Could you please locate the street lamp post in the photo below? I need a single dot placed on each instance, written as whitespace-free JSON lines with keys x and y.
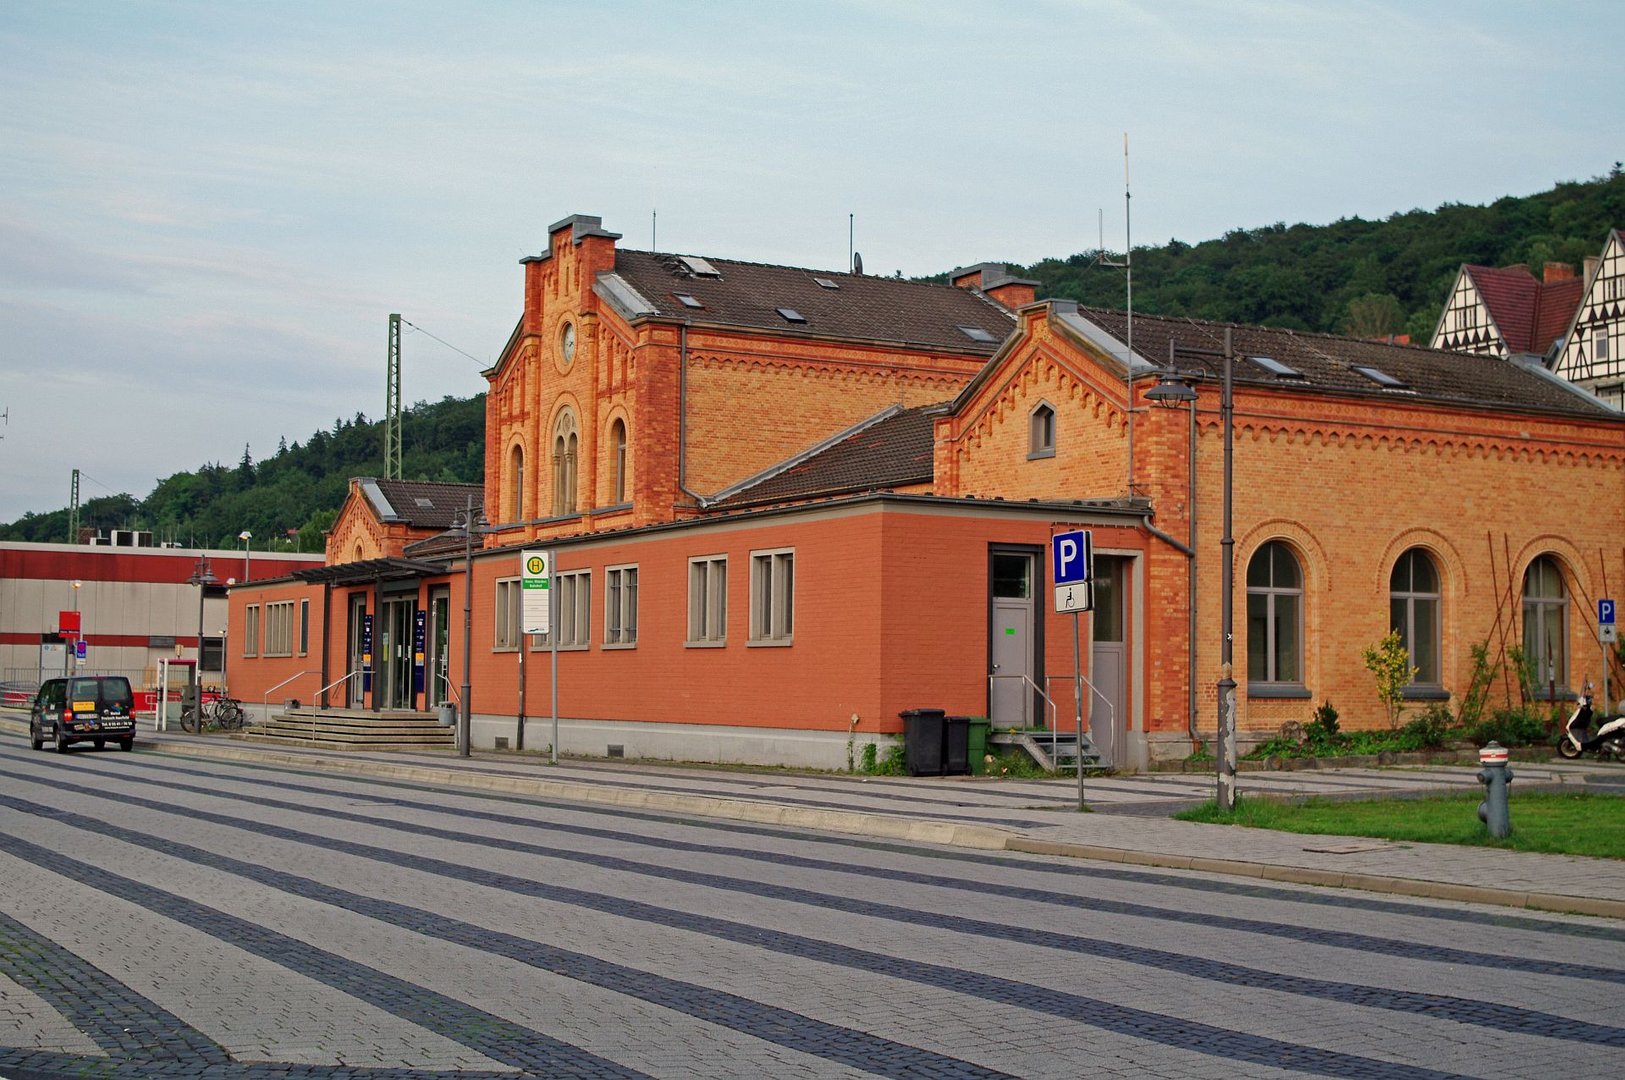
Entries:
{"x":202,"y":577}
{"x":73,"y":649}
{"x":465,"y":726}
{"x":1172,"y":390}
{"x":245,"y":536}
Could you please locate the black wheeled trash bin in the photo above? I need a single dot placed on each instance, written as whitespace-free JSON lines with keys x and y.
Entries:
{"x":924,"y":742}
{"x":956,"y":746}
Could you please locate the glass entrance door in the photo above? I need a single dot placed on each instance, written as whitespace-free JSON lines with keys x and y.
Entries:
{"x":395,"y":653}
{"x":355,"y":695}
{"x":436,"y":686}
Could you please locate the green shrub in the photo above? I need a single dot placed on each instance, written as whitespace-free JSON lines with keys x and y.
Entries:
{"x":1522,"y":726}
{"x":892,"y":764}
{"x":1321,"y":735}
{"x":1429,"y":729}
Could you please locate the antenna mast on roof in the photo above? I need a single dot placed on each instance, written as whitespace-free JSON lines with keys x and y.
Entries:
{"x":654,"y":222}
{"x":1127,"y":266}
{"x":850,"y":227}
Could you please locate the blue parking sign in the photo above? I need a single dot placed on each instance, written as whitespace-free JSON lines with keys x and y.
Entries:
{"x":1072,"y":565}
{"x":1605,"y":612}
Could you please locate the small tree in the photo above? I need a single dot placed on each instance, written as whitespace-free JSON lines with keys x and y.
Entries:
{"x":1390,"y":662}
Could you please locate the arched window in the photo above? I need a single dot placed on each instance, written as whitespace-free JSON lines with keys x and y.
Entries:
{"x":1546,"y":622}
{"x":1274,"y":616}
{"x":1041,"y":432}
{"x":617,"y":448}
{"x":516,"y":484}
{"x":564,"y":464}
{"x":1413,"y":610}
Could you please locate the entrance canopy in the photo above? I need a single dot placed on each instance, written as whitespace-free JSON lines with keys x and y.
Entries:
{"x":369,"y":571}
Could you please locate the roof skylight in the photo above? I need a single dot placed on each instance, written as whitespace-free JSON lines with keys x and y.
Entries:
{"x":1276,"y":368}
{"x":792,"y":315}
{"x":825,"y":283}
{"x":698,"y":266}
{"x":688,"y":300}
{"x":976,"y":333}
{"x":1382,"y":378}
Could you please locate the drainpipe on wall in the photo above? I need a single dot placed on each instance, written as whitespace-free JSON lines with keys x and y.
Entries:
{"x":1189,"y":551}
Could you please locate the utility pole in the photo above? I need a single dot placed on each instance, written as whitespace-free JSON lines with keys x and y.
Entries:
{"x":73,"y":510}
{"x":392,"y":404}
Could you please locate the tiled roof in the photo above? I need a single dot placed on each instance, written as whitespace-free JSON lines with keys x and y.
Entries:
{"x":859,"y":306}
{"x":1529,"y":314}
{"x":1329,"y":363}
{"x":420,"y":504}
{"x":892,"y":452}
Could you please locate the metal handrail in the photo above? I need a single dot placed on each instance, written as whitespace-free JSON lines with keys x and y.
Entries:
{"x":1040,"y":692}
{"x":265,"y":702}
{"x":1111,"y":709}
{"x":342,"y":678}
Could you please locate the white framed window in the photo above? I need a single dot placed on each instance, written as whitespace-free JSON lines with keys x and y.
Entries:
{"x":708,"y":600}
{"x":573,"y":611}
{"x":1041,"y":431}
{"x":279,"y":628}
{"x":772,"y":597}
{"x":251,"y":630}
{"x":620,"y":605}
{"x":1599,"y":344}
{"x":505,"y":636}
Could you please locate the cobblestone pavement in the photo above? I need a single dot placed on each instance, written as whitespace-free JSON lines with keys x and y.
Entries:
{"x":190,"y":917}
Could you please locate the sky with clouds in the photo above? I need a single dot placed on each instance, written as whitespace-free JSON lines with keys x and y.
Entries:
{"x":208,"y":210}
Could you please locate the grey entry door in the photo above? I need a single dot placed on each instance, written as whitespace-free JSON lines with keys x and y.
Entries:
{"x":1109,"y":659}
{"x":1012,"y":649}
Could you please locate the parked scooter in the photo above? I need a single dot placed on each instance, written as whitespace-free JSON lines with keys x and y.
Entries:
{"x":1609,"y":740}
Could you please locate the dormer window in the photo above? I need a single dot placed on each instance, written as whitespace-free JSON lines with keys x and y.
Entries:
{"x":1041,"y":432}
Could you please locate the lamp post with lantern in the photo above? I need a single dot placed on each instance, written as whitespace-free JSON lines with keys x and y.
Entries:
{"x":1172,"y":390}
{"x":245,"y":536}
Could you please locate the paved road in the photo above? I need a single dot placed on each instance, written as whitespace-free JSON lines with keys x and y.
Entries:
{"x":166,"y":917}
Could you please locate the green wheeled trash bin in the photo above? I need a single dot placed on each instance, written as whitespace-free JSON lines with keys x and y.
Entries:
{"x":924,"y":741}
{"x":976,"y":742}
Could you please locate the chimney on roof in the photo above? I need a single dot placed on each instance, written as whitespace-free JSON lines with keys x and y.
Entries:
{"x":1556,"y":271}
{"x":995,"y":281}
{"x":1591,"y":264}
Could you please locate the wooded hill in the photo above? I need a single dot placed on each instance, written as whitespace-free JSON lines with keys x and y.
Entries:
{"x":288,"y":499}
{"x":1366,"y":278}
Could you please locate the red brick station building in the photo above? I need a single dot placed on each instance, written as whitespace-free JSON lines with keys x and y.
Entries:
{"x":784,"y":505}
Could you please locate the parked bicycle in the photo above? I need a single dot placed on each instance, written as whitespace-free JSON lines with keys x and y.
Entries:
{"x":221,"y":714}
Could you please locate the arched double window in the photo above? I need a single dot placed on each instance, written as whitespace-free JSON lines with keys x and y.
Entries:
{"x":1413,"y":610}
{"x":617,"y":449}
{"x":564,"y":464}
{"x":1274,"y":616}
{"x":516,"y":484}
{"x":1546,"y":622}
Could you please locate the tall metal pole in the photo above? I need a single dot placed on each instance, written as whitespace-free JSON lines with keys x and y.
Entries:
{"x":465,"y":724}
{"x":1077,"y":693}
{"x":553,"y":637}
{"x":1227,"y":684}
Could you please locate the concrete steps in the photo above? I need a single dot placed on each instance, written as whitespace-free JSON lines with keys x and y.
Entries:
{"x":353,"y":729}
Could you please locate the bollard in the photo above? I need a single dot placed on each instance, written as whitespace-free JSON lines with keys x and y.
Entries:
{"x":1495,"y":776}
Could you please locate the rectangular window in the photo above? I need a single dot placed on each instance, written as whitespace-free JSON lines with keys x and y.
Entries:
{"x":1599,"y":347}
{"x":279,"y":628}
{"x":251,"y":630}
{"x":506,"y":635}
{"x":621,"y":605}
{"x":708,"y":600}
{"x":772,"y":597}
{"x":304,"y":627}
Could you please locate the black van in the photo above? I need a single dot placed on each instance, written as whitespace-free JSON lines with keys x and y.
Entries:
{"x":93,"y":707}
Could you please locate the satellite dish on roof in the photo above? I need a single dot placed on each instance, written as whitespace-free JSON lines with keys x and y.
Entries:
{"x":857,"y":263}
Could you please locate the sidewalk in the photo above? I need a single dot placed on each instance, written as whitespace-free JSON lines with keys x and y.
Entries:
{"x":1130,"y":823}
